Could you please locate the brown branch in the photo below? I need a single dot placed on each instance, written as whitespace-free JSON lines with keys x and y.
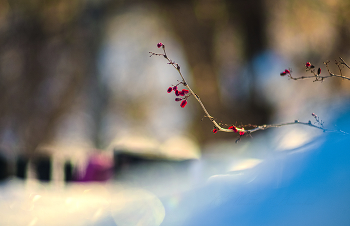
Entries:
{"x":263,"y":127}
{"x":343,"y":62}
{"x":242,"y":131}
{"x":177,"y":67}
{"x":316,"y":75}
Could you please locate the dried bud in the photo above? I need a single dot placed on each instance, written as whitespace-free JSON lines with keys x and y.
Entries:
{"x":314,"y":115}
{"x":308,"y":64}
{"x":318,"y":71}
{"x":183,"y":103}
{"x":215,"y":130}
{"x":312,"y":66}
{"x":159,"y":44}
{"x":178,"y":99}
{"x":170,"y":89}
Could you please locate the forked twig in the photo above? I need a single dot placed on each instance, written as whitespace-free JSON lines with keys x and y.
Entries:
{"x":242,"y":131}
{"x":317,"y":74}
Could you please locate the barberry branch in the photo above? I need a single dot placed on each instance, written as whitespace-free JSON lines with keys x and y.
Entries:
{"x":177,"y":67}
{"x":317,"y":74}
{"x":241,"y":131}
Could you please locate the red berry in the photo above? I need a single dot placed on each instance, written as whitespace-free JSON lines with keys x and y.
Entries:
{"x":319,"y":71}
{"x":169,"y":90}
{"x":233,"y":128}
{"x":283,"y":73}
{"x":287,"y":71}
{"x":215,"y":130}
{"x":241,"y":133}
{"x":183,"y":103}
{"x":308,"y":64}
{"x":159,"y":45}
{"x":184,"y":91}
{"x":175,"y":88}
{"x":177,"y":93}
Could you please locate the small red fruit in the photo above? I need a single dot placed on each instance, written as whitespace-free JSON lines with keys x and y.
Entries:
{"x":283,"y":73}
{"x":183,"y":103}
{"x":177,"y":93}
{"x":287,"y":71}
{"x":159,"y":44}
{"x":215,"y":130}
{"x":184,"y":91}
{"x":170,"y":89}
{"x":319,"y":71}
{"x":241,"y":133}
{"x":308,"y":64}
{"x":233,"y":128}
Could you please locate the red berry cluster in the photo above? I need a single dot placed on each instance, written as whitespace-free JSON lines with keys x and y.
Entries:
{"x":183,"y":93}
{"x":283,"y":73}
{"x":234,"y":128}
{"x":311,"y":67}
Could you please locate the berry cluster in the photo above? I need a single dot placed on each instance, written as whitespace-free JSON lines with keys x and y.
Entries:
{"x":234,"y":128}
{"x":287,"y":71}
{"x":311,"y":68}
{"x":178,"y":93}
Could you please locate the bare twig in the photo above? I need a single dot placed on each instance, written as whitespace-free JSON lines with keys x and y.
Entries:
{"x":263,"y":127}
{"x":343,"y":62}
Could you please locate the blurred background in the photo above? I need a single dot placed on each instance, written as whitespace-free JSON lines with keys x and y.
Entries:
{"x":82,"y":101}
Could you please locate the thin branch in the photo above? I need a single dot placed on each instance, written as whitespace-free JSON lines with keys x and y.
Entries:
{"x":319,"y":78}
{"x":343,"y":62}
{"x":177,"y":67}
{"x":316,"y":75}
{"x":256,"y":128}
{"x":263,"y":127}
